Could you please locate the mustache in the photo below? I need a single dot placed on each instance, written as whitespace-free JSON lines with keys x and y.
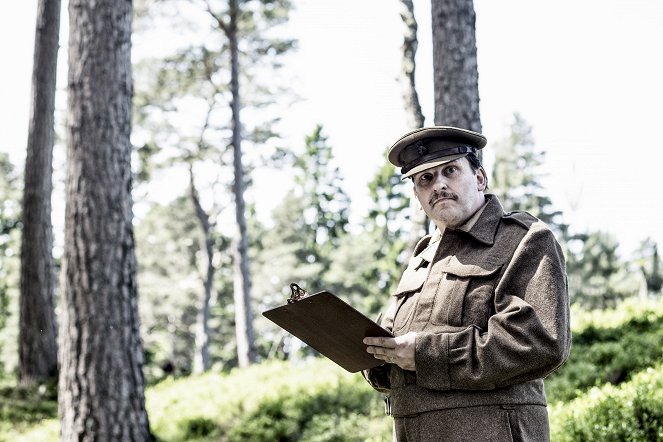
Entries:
{"x":440,"y":195}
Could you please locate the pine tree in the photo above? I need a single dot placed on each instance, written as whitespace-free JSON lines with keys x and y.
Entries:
{"x":38,"y":359}
{"x":309,"y":227}
{"x":598,"y":277}
{"x":212,"y":81}
{"x":101,"y":385}
{"x":319,"y":184}
{"x":389,"y":220}
{"x":649,"y":263}
{"x":414,"y":115}
{"x":169,"y":273}
{"x":517,"y":173}
{"x":456,"y":77}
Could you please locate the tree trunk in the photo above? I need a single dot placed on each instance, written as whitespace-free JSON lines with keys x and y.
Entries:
{"x":201,"y":360}
{"x":242,"y":282}
{"x":415,"y":118}
{"x":456,"y":79}
{"x":413,"y":111}
{"x":101,"y":388}
{"x":37,"y":330}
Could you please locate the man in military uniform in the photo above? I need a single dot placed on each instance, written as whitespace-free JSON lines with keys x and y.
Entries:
{"x":481,"y":314}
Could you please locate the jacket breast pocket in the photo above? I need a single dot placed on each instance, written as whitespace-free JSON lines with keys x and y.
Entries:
{"x":464,"y":295}
{"x":410,"y":284}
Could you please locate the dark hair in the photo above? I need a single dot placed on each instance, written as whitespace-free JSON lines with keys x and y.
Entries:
{"x":475,"y":164}
{"x":474,"y":161}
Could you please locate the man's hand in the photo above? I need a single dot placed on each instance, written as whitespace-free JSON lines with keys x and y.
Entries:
{"x":399,"y":350}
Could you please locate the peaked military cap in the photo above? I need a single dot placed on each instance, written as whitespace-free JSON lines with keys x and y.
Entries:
{"x":432,"y":146}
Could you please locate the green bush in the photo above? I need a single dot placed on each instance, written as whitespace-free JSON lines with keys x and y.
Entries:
{"x":608,"y":321}
{"x":611,"y":347}
{"x":274,"y":401}
{"x":316,"y":401}
{"x":632,"y":412}
{"x":312,"y":400}
{"x":199,"y":427}
{"x":320,"y":413}
{"x":24,"y":406}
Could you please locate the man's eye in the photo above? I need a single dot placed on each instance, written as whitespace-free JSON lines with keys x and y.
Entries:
{"x":424,"y":179}
{"x":451,"y":169}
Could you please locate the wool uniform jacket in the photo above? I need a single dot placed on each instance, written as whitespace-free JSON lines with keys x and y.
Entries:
{"x":490,"y":306}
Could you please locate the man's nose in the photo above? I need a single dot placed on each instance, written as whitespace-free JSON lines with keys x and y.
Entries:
{"x":439,"y":182}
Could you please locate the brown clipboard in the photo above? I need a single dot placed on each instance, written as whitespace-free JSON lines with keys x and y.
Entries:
{"x":330,"y":326}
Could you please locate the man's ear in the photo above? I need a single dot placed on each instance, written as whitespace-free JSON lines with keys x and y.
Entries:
{"x":482,"y":179}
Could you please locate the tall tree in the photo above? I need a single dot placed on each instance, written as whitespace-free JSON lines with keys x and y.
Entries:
{"x":101,"y":388}
{"x":649,"y":263}
{"x":516,"y":176}
{"x":191,"y":150}
{"x":202,"y":361}
{"x":456,"y":77}
{"x":309,"y":223}
{"x":325,"y":202}
{"x":37,"y":330}
{"x":309,"y":226}
{"x":598,"y":277}
{"x":171,"y":266}
{"x":283,"y":256}
{"x":242,"y":283}
{"x":366,"y":265}
{"x":222,"y":70}
{"x":414,"y":115}
{"x":387,"y":219}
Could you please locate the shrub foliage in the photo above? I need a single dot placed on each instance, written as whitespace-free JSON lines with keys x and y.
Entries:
{"x":609,"y":347}
{"x":610,"y":389}
{"x":631,"y":412}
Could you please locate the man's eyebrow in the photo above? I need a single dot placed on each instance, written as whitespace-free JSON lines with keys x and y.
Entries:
{"x":441,"y":166}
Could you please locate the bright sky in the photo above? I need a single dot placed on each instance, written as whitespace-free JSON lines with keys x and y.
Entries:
{"x":586,"y":74}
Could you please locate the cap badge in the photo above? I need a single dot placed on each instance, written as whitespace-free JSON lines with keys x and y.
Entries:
{"x":421,"y":149}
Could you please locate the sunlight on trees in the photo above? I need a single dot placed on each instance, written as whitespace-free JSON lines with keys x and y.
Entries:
{"x":184,"y":280}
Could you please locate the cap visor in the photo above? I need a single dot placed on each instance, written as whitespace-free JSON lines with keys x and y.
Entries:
{"x":432,"y":164}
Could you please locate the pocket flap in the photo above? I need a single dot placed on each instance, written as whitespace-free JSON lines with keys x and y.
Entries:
{"x":456,"y":268}
{"x":412,"y":280}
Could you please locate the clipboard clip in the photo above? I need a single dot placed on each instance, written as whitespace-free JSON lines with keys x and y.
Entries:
{"x":296,"y":293}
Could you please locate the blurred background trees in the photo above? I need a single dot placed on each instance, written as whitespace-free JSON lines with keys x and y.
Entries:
{"x":186,"y":266}
{"x":517,"y":174}
{"x":311,"y":241}
{"x":10,"y":246}
{"x":196,"y":301}
{"x":204,"y":80}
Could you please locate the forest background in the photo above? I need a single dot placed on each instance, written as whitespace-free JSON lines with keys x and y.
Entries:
{"x":562,"y":107}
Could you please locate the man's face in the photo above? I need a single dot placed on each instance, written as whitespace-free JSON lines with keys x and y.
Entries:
{"x":450,"y":193}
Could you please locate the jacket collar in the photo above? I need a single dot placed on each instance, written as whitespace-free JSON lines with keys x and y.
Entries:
{"x":485,"y":228}
{"x":482,"y":230}
{"x":429,"y":252}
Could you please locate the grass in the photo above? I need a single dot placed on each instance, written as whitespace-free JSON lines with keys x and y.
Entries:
{"x":27,"y":409}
